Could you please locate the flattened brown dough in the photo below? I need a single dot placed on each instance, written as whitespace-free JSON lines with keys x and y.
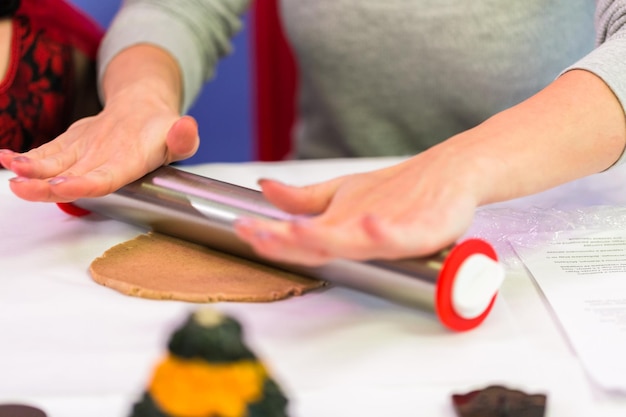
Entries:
{"x":156,"y":266}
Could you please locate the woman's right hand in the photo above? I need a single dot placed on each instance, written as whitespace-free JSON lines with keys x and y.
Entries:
{"x":138,"y":130}
{"x":99,"y":154}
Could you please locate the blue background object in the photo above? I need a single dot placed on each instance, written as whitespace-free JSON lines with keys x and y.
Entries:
{"x":224,"y":109}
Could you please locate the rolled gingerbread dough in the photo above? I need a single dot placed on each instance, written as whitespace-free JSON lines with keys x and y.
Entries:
{"x":157,"y":266}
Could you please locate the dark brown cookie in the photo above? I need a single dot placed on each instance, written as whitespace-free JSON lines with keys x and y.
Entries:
{"x":499,"y":401}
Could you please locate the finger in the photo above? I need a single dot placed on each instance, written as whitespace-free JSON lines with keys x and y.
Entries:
{"x":182,"y":139}
{"x":96,"y":183}
{"x":367,"y":238}
{"x":310,"y":199}
{"x":46,"y":161}
{"x":304,"y":242}
{"x":48,"y":167}
{"x":349,"y":240}
{"x":6,"y":157}
{"x":311,"y":242}
{"x":272,"y":243}
{"x":31,"y":189}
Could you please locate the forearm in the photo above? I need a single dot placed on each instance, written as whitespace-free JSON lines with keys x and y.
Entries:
{"x":143,"y":72}
{"x":196,"y":33}
{"x":573,"y":128}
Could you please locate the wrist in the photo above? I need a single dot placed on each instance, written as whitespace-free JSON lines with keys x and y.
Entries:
{"x":144,"y":96}
{"x":143,"y":73}
{"x":472,"y":167}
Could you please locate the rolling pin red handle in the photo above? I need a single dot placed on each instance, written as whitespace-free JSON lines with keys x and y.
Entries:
{"x":73,"y":209}
{"x":455,"y":276}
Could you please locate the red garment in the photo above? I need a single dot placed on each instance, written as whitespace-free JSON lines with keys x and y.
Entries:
{"x":276,"y":79}
{"x":36,"y":94}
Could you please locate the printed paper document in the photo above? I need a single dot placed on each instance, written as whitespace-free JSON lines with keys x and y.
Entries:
{"x":583,"y":276}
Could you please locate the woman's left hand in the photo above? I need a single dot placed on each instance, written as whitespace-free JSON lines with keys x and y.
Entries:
{"x":414,"y":208}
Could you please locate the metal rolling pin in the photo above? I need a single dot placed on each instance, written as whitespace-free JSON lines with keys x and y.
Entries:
{"x":458,"y":284}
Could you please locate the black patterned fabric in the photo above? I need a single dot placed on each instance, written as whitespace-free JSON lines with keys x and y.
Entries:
{"x":8,"y":7}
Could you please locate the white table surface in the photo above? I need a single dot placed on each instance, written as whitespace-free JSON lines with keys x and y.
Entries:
{"x":76,"y":349}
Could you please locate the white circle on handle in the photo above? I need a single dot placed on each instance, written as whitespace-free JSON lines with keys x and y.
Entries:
{"x":476,"y":282}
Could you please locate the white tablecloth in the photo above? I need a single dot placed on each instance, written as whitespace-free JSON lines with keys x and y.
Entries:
{"x":76,"y":349}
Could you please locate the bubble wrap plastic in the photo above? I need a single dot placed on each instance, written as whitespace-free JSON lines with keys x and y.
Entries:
{"x":597,"y":202}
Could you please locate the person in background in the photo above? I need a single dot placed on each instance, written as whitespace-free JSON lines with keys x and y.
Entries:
{"x":47,"y":66}
{"x":489,"y":100}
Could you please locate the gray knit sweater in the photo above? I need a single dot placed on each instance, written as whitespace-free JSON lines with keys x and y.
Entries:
{"x":394,"y":77}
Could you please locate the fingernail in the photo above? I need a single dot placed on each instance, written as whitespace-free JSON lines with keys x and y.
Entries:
{"x":21,"y":159}
{"x":6,"y":151}
{"x":18,"y":180}
{"x":57,"y":180}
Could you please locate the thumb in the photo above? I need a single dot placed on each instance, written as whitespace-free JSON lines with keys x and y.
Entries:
{"x":182,"y":139}
{"x":310,"y":199}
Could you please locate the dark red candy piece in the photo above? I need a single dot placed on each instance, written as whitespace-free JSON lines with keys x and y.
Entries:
{"x":499,"y":401}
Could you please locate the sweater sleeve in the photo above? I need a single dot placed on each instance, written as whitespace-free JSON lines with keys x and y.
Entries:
{"x":197,"y":33}
{"x":608,"y":59}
